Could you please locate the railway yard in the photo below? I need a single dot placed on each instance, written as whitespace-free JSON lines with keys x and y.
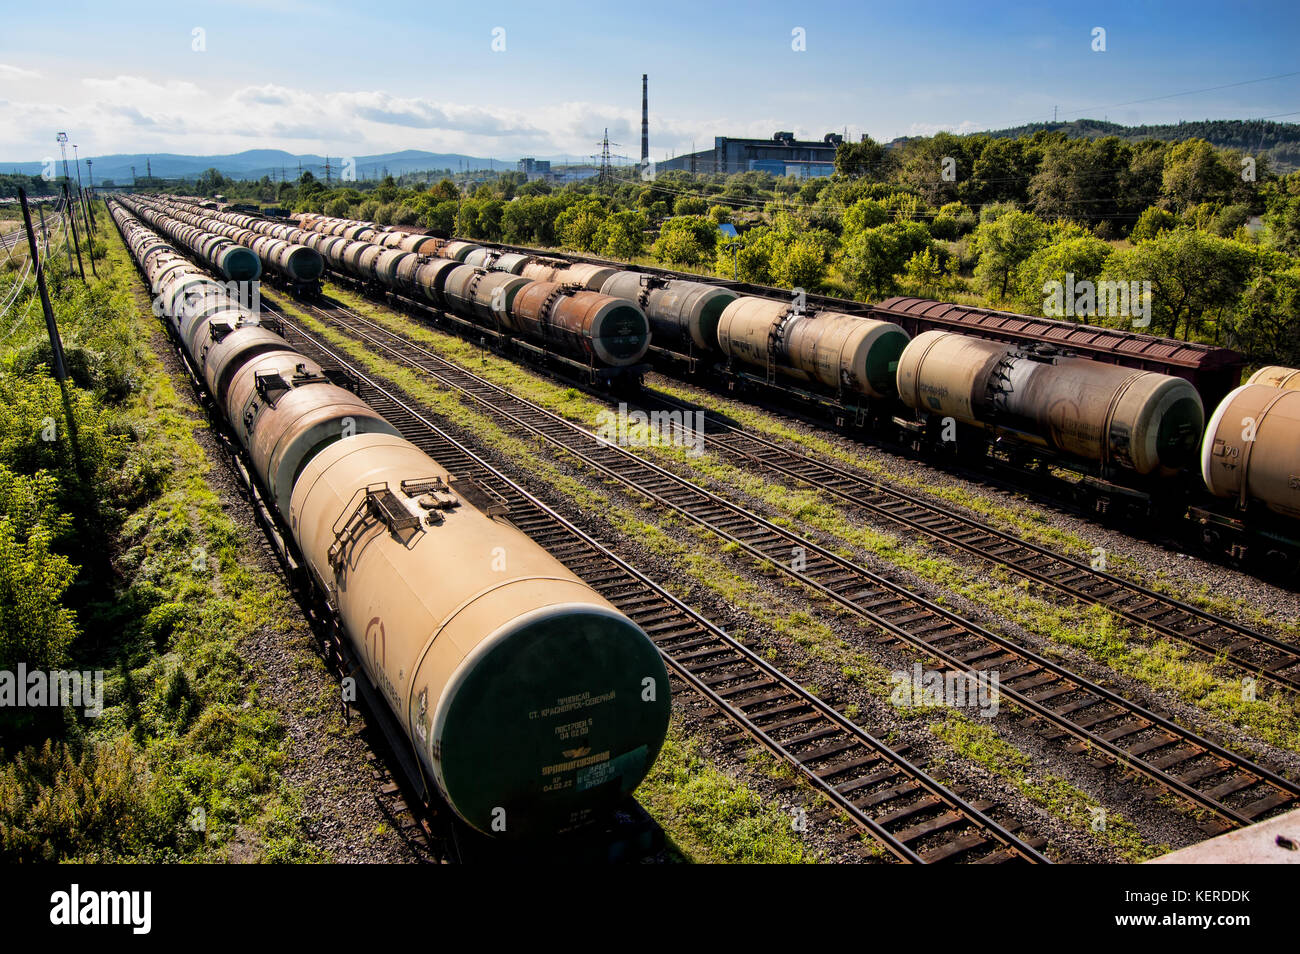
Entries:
{"x":877,"y":649}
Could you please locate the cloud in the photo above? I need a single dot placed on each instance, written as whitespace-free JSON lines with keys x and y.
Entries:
{"x":929,"y":129}
{"x":14,"y":73}
{"x":132,"y":113}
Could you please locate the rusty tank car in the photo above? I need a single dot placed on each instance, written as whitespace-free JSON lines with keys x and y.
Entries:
{"x":1109,"y":415}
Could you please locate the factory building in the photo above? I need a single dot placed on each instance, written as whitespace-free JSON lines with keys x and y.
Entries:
{"x":535,"y":168}
{"x":782,"y":155}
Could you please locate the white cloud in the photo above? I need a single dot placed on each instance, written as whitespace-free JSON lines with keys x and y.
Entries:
{"x":132,"y":114}
{"x":929,"y":129}
{"x":14,"y":73}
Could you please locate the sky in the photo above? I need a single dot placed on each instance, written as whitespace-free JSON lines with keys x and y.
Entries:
{"x":546,"y":78}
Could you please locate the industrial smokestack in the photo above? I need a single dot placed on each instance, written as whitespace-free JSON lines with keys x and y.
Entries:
{"x":645,"y":119}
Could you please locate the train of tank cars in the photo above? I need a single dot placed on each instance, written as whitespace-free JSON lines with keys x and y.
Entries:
{"x":1125,"y":410}
{"x":522,"y":691}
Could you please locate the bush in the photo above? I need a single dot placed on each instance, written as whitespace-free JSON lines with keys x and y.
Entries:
{"x":35,"y":627}
{"x":1151,"y":223}
{"x":99,"y":806}
{"x":690,"y":205}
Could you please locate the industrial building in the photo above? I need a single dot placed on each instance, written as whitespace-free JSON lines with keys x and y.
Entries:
{"x":535,"y":168}
{"x":782,"y":155}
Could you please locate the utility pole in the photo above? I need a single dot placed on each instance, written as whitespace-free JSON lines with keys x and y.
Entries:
{"x":72,"y":218}
{"x":52,"y":329}
{"x":133,"y":177}
{"x":90,"y":248}
{"x":85,"y":207}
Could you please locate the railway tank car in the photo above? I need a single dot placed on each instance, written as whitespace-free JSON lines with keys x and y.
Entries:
{"x":529,"y":700}
{"x":682,"y":315}
{"x":840,"y":352}
{"x":230,"y":259}
{"x":606,"y":330}
{"x":1276,"y":376}
{"x":1116,"y":417}
{"x":1251,"y":450}
{"x":281,"y":250}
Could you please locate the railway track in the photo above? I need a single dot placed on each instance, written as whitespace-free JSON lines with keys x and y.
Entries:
{"x":1232,"y":788}
{"x":910,"y":815}
{"x":1259,"y":654}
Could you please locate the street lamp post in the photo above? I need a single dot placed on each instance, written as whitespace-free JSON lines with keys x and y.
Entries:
{"x":62,"y":139}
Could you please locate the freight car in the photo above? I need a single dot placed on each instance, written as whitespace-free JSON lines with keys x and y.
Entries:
{"x":228,"y":258}
{"x":530,"y":701}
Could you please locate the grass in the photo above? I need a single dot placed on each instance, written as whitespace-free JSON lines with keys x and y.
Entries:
{"x":710,"y":816}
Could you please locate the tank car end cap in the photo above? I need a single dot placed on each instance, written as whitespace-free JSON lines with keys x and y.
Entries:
{"x":550,"y":720}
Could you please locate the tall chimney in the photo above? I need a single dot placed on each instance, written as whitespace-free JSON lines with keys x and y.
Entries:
{"x":645,"y":119}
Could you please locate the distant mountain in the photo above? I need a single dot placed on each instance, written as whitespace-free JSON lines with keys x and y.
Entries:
{"x":1281,"y":141}
{"x":256,"y":163}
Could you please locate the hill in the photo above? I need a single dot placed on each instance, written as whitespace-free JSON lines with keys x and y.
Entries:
{"x":1280,"y":141}
{"x":255,"y":163}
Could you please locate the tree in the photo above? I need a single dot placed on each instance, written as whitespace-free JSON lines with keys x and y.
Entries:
{"x":441,"y":218}
{"x":1002,"y":244}
{"x":1194,"y":172}
{"x":1151,"y":223}
{"x":864,"y":214}
{"x":622,"y":235}
{"x":444,"y":191}
{"x":1002,"y":171}
{"x":864,"y":159}
{"x":577,"y":225}
{"x":1283,"y":221}
{"x":1069,"y":261}
{"x":1081,"y":180}
{"x":35,"y":627}
{"x":1192,"y":276}
{"x":802,"y":265}
{"x":686,"y":240}
{"x":1266,"y":325}
{"x":690,"y":205}
{"x":870,"y":259}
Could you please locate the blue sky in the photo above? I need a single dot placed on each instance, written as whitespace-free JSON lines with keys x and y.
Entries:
{"x":360,"y":78}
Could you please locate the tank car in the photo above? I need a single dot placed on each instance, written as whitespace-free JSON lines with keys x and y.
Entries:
{"x":529,"y":699}
{"x":486,"y":295}
{"x":682,"y":315}
{"x":1251,"y":450}
{"x":841,"y":352}
{"x":584,"y":324}
{"x":1277,"y":377}
{"x":1112,"y":416}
